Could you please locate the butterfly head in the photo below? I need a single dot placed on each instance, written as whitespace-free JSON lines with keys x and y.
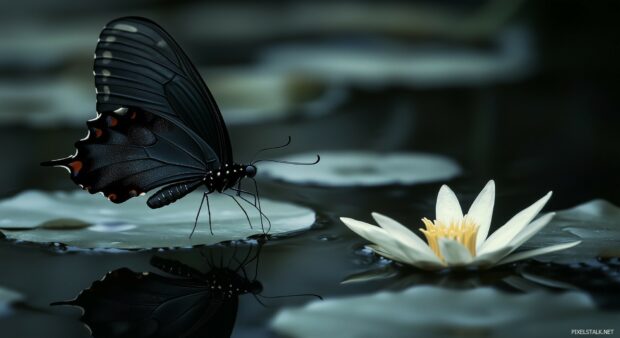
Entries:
{"x":250,"y":170}
{"x":255,"y":287}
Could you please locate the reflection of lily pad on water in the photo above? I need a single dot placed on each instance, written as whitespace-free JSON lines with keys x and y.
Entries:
{"x":435,"y":312}
{"x":82,"y":220}
{"x":359,"y":168}
{"x":7,"y":297}
{"x":596,"y":223}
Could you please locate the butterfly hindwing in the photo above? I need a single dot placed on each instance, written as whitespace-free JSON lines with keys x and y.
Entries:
{"x":138,"y":64}
{"x":130,"y":152}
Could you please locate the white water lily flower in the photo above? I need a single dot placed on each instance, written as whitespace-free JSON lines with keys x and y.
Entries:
{"x":456,"y":240}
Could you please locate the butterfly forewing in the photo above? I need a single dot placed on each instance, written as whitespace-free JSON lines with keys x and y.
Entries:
{"x":157,"y":122}
{"x":137,"y":63}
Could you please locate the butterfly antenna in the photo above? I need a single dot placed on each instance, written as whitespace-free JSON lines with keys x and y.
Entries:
{"x":294,"y":295}
{"x":270,"y":148}
{"x":255,"y":297}
{"x":318,"y":159}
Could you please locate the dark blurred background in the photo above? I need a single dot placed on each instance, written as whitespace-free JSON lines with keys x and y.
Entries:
{"x":507,"y":88}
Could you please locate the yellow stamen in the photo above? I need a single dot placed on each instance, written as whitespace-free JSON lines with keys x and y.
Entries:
{"x":463,"y":231}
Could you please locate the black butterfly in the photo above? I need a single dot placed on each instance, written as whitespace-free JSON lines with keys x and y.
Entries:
{"x":194,"y":304}
{"x":157,"y":124}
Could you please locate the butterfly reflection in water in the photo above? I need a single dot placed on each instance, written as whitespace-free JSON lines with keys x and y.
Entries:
{"x":192,"y":304}
{"x":157,"y":125}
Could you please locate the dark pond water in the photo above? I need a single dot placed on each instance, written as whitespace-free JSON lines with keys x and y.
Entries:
{"x":314,"y":261}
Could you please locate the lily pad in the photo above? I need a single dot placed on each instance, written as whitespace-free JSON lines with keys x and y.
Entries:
{"x":81,"y":220}
{"x":428,"y":311}
{"x":379,"y":63}
{"x":596,"y":223}
{"x":360,"y":168}
{"x":7,"y":297}
{"x":258,"y":94}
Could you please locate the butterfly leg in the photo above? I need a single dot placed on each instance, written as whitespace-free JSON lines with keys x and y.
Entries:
{"x":242,"y":209}
{"x":240,"y":191}
{"x":209,"y":210}
{"x":198,"y":214}
{"x":244,"y":261}
{"x":260,"y":210}
{"x":256,"y":204}
{"x":234,"y":254}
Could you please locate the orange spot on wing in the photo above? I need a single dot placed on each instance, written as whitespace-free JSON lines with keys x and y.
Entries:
{"x":76,"y":166}
{"x":133,"y":115}
{"x":113,"y":121}
{"x":112,"y":197}
{"x":98,"y":132}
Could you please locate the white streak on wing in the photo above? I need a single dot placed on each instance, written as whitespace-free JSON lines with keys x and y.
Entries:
{"x":125,"y":27}
{"x":121,"y":111}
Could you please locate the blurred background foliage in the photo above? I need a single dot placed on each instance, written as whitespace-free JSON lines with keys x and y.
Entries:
{"x":509,"y":88}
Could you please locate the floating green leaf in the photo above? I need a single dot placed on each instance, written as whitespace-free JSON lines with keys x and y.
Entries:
{"x":81,"y":220}
{"x":358,"y":168}
{"x":429,"y":312}
{"x":6,"y":298}
{"x":596,"y":223}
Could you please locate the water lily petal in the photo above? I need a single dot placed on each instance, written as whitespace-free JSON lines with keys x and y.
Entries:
{"x":490,"y":258}
{"x":419,"y":259}
{"x":402,"y":233}
{"x":370,"y":232}
{"x":537,"y":252}
{"x":514,"y":226}
{"x":378,"y":236}
{"x":448,"y":208}
{"x":481,"y":211}
{"x":396,"y":256}
{"x":454,"y":253}
{"x":531,"y":230}
{"x":410,"y":258}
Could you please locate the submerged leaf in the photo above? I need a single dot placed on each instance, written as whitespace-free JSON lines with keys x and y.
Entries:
{"x":596,"y":223}
{"x":81,"y":220}
{"x":358,"y":168}
{"x":436,"y":312}
{"x":7,"y":297}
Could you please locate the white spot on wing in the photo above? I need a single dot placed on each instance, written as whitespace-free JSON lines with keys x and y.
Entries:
{"x":106,"y":90}
{"x":125,"y":27}
{"x":162,"y":44}
{"x":106,"y":72}
{"x":110,"y":38}
{"x":107,"y":54}
{"x":121,"y":111}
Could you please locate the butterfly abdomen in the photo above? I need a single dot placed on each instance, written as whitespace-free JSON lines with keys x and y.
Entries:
{"x":171,"y":193}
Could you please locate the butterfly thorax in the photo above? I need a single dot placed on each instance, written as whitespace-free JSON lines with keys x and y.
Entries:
{"x":226,"y":176}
